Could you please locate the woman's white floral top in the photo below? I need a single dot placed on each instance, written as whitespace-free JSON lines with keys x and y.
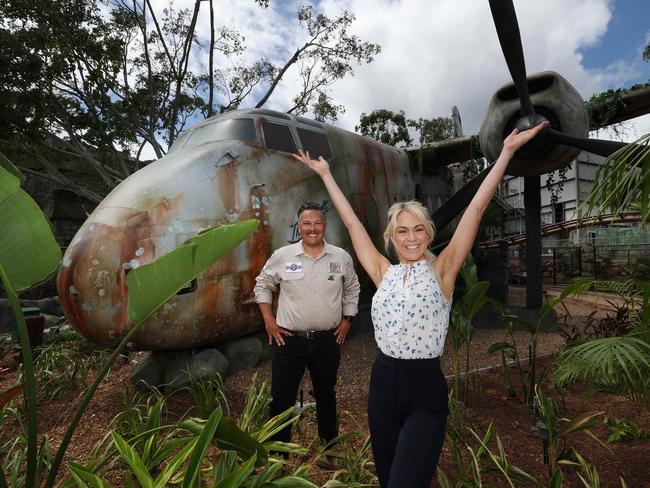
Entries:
{"x":410,"y":314}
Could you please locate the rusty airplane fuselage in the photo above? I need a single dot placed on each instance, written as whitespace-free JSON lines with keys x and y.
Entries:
{"x":231,"y":167}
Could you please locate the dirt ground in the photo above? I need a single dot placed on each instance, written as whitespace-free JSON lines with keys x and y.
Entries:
{"x":487,"y":404}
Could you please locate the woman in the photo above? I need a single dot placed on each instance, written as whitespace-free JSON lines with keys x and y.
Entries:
{"x":407,"y":402}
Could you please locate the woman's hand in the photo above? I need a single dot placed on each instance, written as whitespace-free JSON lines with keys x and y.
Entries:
{"x":321,"y":166}
{"x":517,"y":139}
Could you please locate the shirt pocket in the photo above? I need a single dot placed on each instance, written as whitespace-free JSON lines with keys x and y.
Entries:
{"x":333,"y":280}
{"x":287,"y":276}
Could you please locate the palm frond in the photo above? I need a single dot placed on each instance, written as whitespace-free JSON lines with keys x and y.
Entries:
{"x":622,"y":181}
{"x":621,"y":363}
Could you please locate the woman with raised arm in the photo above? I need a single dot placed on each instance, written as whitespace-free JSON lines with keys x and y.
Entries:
{"x":407,"y":401}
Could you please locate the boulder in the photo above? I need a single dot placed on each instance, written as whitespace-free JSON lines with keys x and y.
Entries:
{"x":202,"y":365}
{"x":151,"y":370}
{"x":242,"y":353}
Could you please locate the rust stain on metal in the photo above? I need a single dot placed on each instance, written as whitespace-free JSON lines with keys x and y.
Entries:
{"x":227,"y":181}
{"x":188,"y":193}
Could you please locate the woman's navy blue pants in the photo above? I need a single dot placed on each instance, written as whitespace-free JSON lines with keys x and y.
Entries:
{"x":407,"y":414}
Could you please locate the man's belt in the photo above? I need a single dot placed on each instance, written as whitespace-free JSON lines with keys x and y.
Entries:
{"x":313,"y":334}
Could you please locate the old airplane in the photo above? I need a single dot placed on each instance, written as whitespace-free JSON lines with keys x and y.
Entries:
{"x":238,"y":165}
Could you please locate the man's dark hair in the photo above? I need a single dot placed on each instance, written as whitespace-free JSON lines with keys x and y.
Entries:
{"x":312,"y":206}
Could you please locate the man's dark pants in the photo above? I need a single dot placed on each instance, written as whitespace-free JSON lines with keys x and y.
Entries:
{"x":321,"y":357}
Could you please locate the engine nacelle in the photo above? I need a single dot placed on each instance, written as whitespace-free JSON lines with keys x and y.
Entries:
{"x":554,"y":98}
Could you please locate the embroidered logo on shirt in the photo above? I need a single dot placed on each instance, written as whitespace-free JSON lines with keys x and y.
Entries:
{"x":335,"y":267}
{"x":293,"y":267}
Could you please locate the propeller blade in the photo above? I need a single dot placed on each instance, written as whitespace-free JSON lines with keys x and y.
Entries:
{"x":505,"y":21}
{"x":458,"y":201}
{"x":595,"y":146}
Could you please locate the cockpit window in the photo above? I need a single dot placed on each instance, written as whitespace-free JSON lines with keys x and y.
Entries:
{"x":278,"y":137}
{"x":315,"y":143}
{"x":234,"y":129}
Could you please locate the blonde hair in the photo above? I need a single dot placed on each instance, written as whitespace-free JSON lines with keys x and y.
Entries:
{"x":421,"y":213}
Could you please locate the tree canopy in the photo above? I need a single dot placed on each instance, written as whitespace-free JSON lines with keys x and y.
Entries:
{"x":395,"y":129}
{"x":95,"y":81}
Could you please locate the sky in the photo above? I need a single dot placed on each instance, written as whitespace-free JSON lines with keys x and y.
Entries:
{"x":440,"y":53}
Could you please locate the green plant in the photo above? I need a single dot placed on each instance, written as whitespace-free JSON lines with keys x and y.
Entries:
{"x":625,"y":429}
{"x":473,"y":456}
{"x":508,"y":352}
{"x":587,"y":474}
{"x":473,"y":298}
{"x":509,"y":349}
{"x":60,"y":369}
{"x":29,"y":254}
{"x":255,"y":412}
{"x":157,"y":453}
{"x":620,"y":363}
{"x":622,"y":182}
{"x":357,"y":466}
{"x":208,"y":394}
{"x":558,"y":429}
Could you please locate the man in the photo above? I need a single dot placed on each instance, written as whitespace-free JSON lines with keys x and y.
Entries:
{"x":319,"y":292}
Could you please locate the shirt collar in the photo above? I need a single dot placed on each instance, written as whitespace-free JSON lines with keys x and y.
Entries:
{"x":327,"y":249}
{"x":417,"y":268}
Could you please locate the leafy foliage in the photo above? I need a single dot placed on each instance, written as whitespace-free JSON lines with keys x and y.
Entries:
{"x":623,"y":182}
{"x":625,"y":429}
{"x":392,"y":128}
{"x":557,"y":429}
{"x":473,"y":298}
{"x":35,"y":238}
{"x":92,"y":83}
{"x":474,"y":457}
{"x":618,"y":363}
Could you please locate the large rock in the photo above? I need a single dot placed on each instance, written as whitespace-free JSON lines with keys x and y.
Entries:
{"x":242,"y":353}
{"x":151,"y":371}
{"x":200,"y":366}
{"x":267,"y":352}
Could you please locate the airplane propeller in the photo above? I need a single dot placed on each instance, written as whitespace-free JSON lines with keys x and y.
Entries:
{"x":505,"y":21}
{"x":532,"y":158}
{"x":446,"y":212}
{"x":595,"y":146}
{"x":507,"y":26}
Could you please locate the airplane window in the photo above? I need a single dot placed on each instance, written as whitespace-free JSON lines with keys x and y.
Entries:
{"x":315,"y":143}
{"x":278,"y":137}
{"x":235,"y":129}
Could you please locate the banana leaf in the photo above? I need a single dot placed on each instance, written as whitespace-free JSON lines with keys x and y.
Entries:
{"x":7,"y":165}
{"x":153,"y":284}
{"x":150,"y":286}
{"x":29,"y":254}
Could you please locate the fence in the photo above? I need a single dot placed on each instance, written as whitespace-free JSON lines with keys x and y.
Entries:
{"x":602,"y":260}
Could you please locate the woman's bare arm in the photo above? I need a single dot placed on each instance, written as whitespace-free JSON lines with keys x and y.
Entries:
{"x":452,"y":258}
{"x":370,"y":258}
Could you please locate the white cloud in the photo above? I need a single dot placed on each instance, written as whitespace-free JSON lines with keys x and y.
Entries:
{"x":446,"y":53}
{"x":434,"y":54}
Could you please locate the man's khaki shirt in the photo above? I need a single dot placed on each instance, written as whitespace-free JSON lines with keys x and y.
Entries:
{"x":314,"y":293}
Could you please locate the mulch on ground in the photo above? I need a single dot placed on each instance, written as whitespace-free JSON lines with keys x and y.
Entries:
{"x":487,"y":404}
